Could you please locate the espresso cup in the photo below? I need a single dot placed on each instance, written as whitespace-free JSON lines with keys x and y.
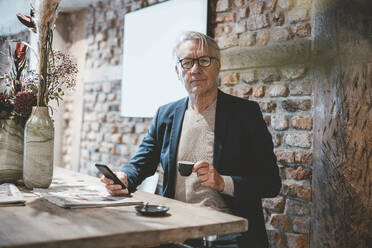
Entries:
{"x":185,"y":168}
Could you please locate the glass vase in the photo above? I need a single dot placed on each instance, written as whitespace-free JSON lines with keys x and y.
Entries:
{"x":11,"y":152}
{"x":38,"y":149}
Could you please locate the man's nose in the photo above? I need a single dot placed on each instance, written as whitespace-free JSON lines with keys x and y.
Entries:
{"x":195,"y":67}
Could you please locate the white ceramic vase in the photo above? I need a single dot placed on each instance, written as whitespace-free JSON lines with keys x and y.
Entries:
{"x":11,"y":152}
{"x":38,"y":149}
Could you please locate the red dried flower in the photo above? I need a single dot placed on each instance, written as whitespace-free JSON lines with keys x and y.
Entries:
{"x":20,"y":52}
{"x":28,"y":21}
{"x":6,"y":106}
{"x":23,"y":103}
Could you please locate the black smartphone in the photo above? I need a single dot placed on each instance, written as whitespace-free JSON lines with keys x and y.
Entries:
{"x":105,"y":170}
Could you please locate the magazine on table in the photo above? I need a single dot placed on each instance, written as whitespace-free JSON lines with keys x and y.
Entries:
{"x":84,"y":197}
{"x":10,"y":195}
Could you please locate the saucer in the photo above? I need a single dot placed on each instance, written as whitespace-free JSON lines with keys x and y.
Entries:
{"x":151,"y":210}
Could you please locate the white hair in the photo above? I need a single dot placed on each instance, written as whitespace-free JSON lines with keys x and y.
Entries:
{"x":204,"y":41}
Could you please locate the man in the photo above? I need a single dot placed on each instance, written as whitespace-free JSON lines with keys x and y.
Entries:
{"x":224,"y":135}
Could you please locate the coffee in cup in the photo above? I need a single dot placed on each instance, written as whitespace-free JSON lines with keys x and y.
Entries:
{"x":185,"y":168}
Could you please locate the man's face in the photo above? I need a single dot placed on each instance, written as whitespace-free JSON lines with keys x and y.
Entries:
{"x":197,"y":80}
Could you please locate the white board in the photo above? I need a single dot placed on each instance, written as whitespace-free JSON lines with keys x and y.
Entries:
{"x":149,"y":79}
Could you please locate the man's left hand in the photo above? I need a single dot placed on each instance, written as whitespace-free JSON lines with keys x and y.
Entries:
{"x":208,"y":176}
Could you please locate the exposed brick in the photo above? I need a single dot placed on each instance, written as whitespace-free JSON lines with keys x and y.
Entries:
{"x":263,"y":37}
{"x":95,"y":126}
{"x":297,"y":240}
{"x":293,"y":72}
{"x":303,"y":30}
{"x":267,"y":106}
{"x":257,"y":22}
{"x":225,"y":17}
{"x":285,"y":156}
{"x":280,"y":221}
{"x":279,"y":122}
{"x":301,"y":173}
{"x":242,"y":90}
{"x":227,"y":29}
{"x":257,"y":8}
{"x":226,"y":89}
{"x":298,"y":140}
{"x":111,"y":97}
{"x":247,"y":39}
{"x":301,"y":225}
{"x":122,"y":149}
{"x":296,"y":208}
{"x":127,"y":128}
{"x":259,"y":91}
{"x":278,"y":90}
{"x":220,"y":17}
{"x":243,"y":12}
{"x":267,"y":119}
{"x":302,"y":122}
{"x":227,"y":41}
{"x":304,"y":192}
{"x":249,"y":76}
{"x":282,"y":172}
{"x":276,"y":238}
{"x":291,"y":105}
{"x":299,"y":14}
{"x":239,"y":3}
{"x":91,"y":97}
{"x":116,"y":138}
{"x":275,"y":204}
{"x":278,"y":19}
{"x":286,"y":4}
{"x":223,"y":5}
{"x":240,"y":27}
{"x":282,"y":34}
{"x":219,"y":30}
{"x":229,"y":79}
{"x":272,"y":5}
{"x":268,"y":75}
{"x":106,"y":87}
{"x":304,"y":157}
{"x":277,"y":139}
{"x":130,"y":139}
{"x":141,"y":128}
{"x":301,"y":89}
{"x":85,"y":154}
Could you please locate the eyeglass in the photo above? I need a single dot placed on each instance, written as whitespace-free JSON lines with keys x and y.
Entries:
{"x":203,"y":61}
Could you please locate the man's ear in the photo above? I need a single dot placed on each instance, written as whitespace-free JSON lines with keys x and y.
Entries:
{"x":178,"y":74}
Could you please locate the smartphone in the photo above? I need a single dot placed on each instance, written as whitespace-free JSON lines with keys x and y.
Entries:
{"x":105,"y":170}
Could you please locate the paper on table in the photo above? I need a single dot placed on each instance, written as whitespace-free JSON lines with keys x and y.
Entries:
{"x":10,"y":195}
{"x":84,"y":197}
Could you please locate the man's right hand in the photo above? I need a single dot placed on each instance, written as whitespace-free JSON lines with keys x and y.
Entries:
{"x":116,"y":189}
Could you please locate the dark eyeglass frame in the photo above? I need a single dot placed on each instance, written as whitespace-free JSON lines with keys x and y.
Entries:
{"x":192,"y":60}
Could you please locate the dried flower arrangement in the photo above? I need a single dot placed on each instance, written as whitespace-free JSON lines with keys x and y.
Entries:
{"x":18,"y":98}
{"x":57,"y":72}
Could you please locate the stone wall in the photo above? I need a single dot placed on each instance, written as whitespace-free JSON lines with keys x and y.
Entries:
{"x":265,"y":57}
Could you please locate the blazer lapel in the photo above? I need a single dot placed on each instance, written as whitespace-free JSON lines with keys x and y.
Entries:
{"x":173,"y":145}
{"x":220,"y":128}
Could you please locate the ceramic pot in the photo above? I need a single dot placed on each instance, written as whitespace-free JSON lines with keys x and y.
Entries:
{"x":38,"y":149}
{"x":11,"y":152}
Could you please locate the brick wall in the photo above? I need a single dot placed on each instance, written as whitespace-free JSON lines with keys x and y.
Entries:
{"x":284,"y":91}
{"x":265,"y":57}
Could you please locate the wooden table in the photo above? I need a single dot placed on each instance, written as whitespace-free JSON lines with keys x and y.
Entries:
{"x":43,"y":224}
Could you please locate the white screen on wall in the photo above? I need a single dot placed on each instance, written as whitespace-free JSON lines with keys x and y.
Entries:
{"x":149,"y":79}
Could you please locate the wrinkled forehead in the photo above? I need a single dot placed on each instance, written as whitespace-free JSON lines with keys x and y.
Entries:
{"x":194,"y":48}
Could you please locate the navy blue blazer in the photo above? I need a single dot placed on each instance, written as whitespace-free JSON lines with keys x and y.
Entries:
{"x":243,"y":149}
